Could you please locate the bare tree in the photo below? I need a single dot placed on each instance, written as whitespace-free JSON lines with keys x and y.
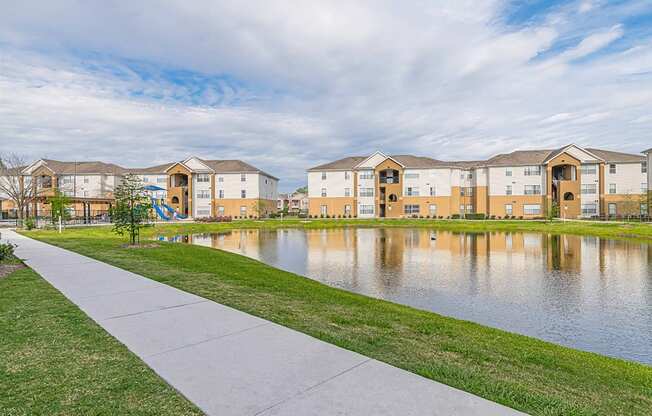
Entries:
{"x":13,"y":185}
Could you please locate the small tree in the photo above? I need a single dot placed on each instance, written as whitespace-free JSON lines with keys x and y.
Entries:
{"x":17,"y":188}
{"x":553,"y":211}
{"x":259,"y":207}
{"x":131,"y":208}
{"x":302,"y":190}
{"x":59,"y":204}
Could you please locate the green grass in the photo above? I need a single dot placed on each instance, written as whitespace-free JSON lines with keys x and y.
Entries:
{"x":55,"y":361}
{"x":537,"y":377}
{"x":628,"y":231}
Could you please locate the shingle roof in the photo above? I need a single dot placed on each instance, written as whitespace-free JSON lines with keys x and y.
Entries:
{"x":233,"y":166}
{"x":94,"y":167}
{"x":520,"y":157}
{"x":152,"y":170}
{"x":610,"y":156}
{"x":341,"y":164}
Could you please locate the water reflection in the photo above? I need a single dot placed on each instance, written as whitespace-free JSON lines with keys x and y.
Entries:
{"x":583,"y":292}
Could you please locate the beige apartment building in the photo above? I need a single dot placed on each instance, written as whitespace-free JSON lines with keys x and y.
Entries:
{"x":580,"y":182}
{"x":193,"y":188}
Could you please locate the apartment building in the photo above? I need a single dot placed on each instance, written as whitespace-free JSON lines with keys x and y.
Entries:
{"x":193,"y":187}
{"x":295,"y":203}
{"x":581,"y":182}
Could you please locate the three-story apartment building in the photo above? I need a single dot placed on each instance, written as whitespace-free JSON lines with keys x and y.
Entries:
{"x":580,"y":182}
{"x":193,"y":187}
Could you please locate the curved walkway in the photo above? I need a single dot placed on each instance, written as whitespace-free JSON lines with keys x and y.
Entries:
{"x":230,"y":363}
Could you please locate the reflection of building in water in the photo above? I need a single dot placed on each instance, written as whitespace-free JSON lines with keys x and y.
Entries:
{"x":563,"y":252}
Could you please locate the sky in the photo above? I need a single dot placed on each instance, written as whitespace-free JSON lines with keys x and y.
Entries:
{"x":287,"y":85}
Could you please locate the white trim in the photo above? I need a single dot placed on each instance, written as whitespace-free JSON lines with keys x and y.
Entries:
{"x":377,"y":152}
{"x":565,"y":149}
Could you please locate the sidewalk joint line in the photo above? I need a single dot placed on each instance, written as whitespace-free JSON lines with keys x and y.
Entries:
{"x":154,"y":310}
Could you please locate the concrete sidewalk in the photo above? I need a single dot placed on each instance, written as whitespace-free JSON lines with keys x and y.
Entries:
{"x":230,"y":363}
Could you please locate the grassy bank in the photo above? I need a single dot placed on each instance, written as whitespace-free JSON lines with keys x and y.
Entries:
{"x":56,"y":361}
{"x":527,"y":374}
{"x":627,"y":231}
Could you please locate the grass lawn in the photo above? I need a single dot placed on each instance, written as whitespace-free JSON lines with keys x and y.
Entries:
{"x":54,"y":360}
{"x":630,"y":231}
{"x":537,"y":377}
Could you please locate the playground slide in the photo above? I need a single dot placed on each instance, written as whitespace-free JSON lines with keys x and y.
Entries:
{"x":173,"y":212}
{"x":160,"y":211}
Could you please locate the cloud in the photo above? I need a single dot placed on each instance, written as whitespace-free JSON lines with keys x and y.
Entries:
{"x":287,"y":85}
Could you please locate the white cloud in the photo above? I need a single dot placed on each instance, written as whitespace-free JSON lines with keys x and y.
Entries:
{"x":319,"y":80}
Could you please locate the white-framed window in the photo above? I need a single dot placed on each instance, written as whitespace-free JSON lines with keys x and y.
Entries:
{"x":508,"y":171}
{"x":203,"y":177}
{"x":612,"y":188}
{"x":470,"y":175}
{"x":323,"y":176}
{"x":589,"y":188}
{"x":411,"y":176}
{"x":588,"y":169}
{"x":432,"y":209}
{"x":532,"y":209}
{"x":323,"y":209}
{"x":68,"y":193}
{"x":612,"y":168}
{"x":243,"y":193}
{"x":323,"y":192}
{"x":66,"y":180}
{"x":643,"y":209}
{"x":433,"y":191}
{"x":508,"y":190}
{"x":161,"y":180}
{"x":589,"y":209}
{"x":347,"y":209}
{"x":366,"y":191}
{"x":643,"y":187}
{"x":612,"y":209}
{"x":366,"y":209}
{"x":411,"y":209}
{"x":366,"y":174}
{"x":220,"y":178}
{"x":347,"y":175}
{"x":85,"y":194}
{"x":347,"y":191}
{"x":466,"y":191}
{"x":643,"y":167}
{"x":509,"y":209}
{"x":462,"y":208}
{"x":203,"y":194}
{"x":220,"y":210}
{"x":532,"y":190}
{"x":220,"y":193}
{"x":145,"y":179}
{"x":469,"y":208}
{"x":412,"y":191}
{"x":532,"y":171}
{"x":243,"y":211}
{"x":203,"y":212}
{"x":243,"y":177}
{"x":86,"y":180}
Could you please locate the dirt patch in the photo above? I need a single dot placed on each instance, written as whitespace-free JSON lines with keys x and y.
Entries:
{"x":7,"y":269}
{"x":137,"y":246}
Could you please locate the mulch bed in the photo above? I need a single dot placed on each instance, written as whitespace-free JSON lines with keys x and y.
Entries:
{"x":7,"y":269}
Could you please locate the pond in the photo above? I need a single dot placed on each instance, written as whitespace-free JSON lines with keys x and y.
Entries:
{"x":583,"y":292}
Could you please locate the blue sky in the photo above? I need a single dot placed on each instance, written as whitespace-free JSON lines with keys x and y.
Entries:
{"x":286,"y":86}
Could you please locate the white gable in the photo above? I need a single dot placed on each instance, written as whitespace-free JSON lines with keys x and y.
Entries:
{"x":581,"y":154}
{"x":31,"y":168}
{"x":374,"y":160}
{"x":194,"y":164}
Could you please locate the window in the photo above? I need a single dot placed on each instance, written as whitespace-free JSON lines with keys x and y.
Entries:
{"x":643,"y":167}
{"x":243,"y":177}
{"x":68,"y":193}
{"x":508,"y":171}
{"x":366,"y":209}
{"x":66,"y":180}
{"x":532,"y":209}
{"x":410,"y":191}
{"x":467,"y":191}
{"x":203,"y":212}
{"x":323,"y":176}
{"x":532,"y":190}
{"x":243,"y":211}
{"x":347,"y":191}
{"x":220,"y":178}
{"x":323,"y":192}
{"x":461,"y":208}
{"x":532,"y":171}
{"x":347,"y":209}
{"x":203,"y":177}
{"x":643,"y":209}
{"x":432,"y":209}
{"x":86,"y":180}
{"x":509,"y":209}
{"x":366,"y":174}
{"x":589,"y":209}
{"x":588,"y":169}
{"x":612,"y":168}
{"x":323,"y":209}
{"x":433,"y":191}
{"x":243,"y":193}
{"x":347,"y":175}
{"x":508,"y":190}
{"x":366,"y":191}
{"x":161,"y":180}
{"x":612,"y":209}
{"x":203,"y":194}
{"x":411,"y":209}
{"x":411,"y":176}
{"x":220,"y":193}
{"x":85,"y":194}
{"x":612,"y":188}
{"x":589,"y":188}
{"x":220,"y":211}
{"x":643,"y":187}
{"x":469,"y":208}
{"x":470,"y":175}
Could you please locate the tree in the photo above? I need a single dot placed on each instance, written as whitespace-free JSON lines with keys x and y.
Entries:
{"x":17,"y":188}
{"x":302,"y":190}
{"x":259,"y":207}
{"x":553,"y":211}
{"x":59,"y":204}
{"x":132,"y":207}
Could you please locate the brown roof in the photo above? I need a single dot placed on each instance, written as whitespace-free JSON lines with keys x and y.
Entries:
{"x":610,"y":156}
{"x":520,"y":157}
{"x":152,"y":170}
{"x":341,"y":164}
{"x":94,"y":167}
{"x":233,"y":166}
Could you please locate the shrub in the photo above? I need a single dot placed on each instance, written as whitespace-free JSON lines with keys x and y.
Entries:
{"x":6,"y":250}
{"x":29,"y":223}
{"x":455,"y":216}
{"x":520,"y":218}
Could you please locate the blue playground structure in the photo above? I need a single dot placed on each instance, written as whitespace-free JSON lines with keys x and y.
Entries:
{"x":161,"y":208}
